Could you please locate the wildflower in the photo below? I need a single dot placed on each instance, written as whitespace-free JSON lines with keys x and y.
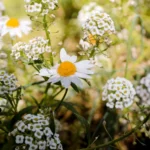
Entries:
{"x":34,"y":133}
{"x":68,"y":71}
{"x":97,"y":28}
{"x":8,"y":83}
{"x":41,"y":8}
{"x":14,"y":26}
{"x":19,"y":139}
{"x":143,"y":90}
{"x":118,"y":93}
{"x":87,"y":10}
{"x":28,"y":140}
{"x":32,"y":50}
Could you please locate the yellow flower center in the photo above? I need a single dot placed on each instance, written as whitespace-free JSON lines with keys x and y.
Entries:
{"x":66,"y":68}
{"x":12,"y":22}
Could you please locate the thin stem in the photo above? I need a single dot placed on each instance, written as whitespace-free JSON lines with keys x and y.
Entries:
{"x":120,"y":138}
{"x":45,"y":92}
{"x":61,"y":100}
{"x":45,"y":25}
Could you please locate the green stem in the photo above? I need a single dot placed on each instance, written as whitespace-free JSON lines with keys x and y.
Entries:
{"x":61,"y":100}
{"x":45,"y":92}
{"x":120,"y":138}
{"x":45,"y":25}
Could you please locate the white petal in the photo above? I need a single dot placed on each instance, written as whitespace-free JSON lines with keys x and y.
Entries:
{"x":82,"y":75}
{"x":54,"y":79}
{"x":84,"y":64}
{"x":65,"y":57}
{"x":45,"y":72}
{"x":65,"y":81}
{"x":76,"y":81}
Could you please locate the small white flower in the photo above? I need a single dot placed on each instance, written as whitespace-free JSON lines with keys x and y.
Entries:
{"x":21,"y":127}
{"x":53,"y":145}
{"x":68,"y":71}
{"x":42,"y":145}
{"x":33,"y":147}
{"x":19,"y":139}
{"x":38,"y":134}
{"x":14,"y":26}
{"x":28,"y":117}
{"x":47,"y":131}
{"x":28,"y":140}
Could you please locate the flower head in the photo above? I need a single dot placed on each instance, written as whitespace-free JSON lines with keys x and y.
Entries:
{"x":8,"y":83}
{"x":14,"y":26}
{"x":97,"y":28}
{"x":31,"y":50}
{"x":40,"y":8}
{"x":118,"y":93}
{"x":143,"y":90}
{"x":68,"y":71}
{"x":34,"y":134}
{"x":87,"y":10}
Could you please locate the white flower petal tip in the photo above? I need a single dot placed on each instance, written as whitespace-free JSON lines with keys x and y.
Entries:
{"x":65,"y":57}
{"x":45,"y":72}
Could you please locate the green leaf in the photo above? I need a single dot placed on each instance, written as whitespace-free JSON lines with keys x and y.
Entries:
{"x":75,"y":87}
{"x":82,"y":120}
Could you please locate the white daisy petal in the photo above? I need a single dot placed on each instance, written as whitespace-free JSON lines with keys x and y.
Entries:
{"x":45,"y":72}
{"x":82,"y":75}
{"x":65,"y":81}
{"x":76,"y":81}
{"x":65,"y":57}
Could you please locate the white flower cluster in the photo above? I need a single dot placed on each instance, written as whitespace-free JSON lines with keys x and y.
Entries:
{"x":143,"y":90}
{"x":43,"y":8}
{"x":118,"y":93}
{"x":7,"y":83}
{"x":34,"y":133}
{"x":87,"y":10}
{"x":31,"y":50}
{"x":98,"y":28}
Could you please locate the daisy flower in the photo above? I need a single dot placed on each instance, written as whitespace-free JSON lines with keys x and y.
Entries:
{"x":68,"y":71}
{"x":14,"y":26}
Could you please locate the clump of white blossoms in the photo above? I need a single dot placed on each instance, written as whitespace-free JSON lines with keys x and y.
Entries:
{"x":97,"y":29}
{"x":8,"y":83}
{"x":42,"y":7}
{"x":32,"y":50}
{"x":14,"y":27}
{"x":118,"y":93}
{"x":143,"y":90}
{"x":87,"y":10}
{"x":33,"y":132}
{"x":68,"y":71}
